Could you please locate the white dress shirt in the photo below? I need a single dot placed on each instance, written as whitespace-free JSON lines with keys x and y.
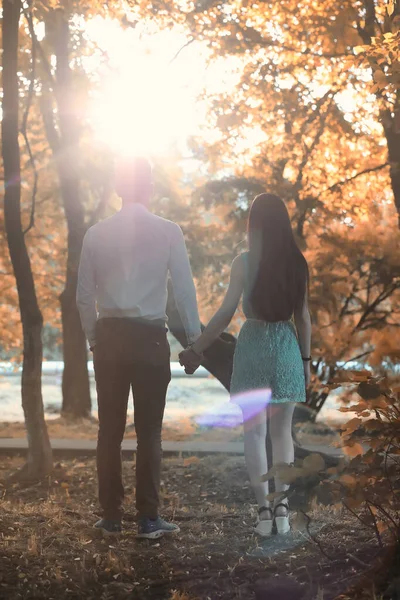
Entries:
{"x":124,"y":268}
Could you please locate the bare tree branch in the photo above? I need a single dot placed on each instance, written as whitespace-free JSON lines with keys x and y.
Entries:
{"x":356,"y":357}
{"x":308,"y":150}
{"x":371,"y":308}
{"x":188,"y":43}
{"x":253,"y":37}
{"x":367,"y":32}
{"x":349,"y":179}
{"x":24,"y":126}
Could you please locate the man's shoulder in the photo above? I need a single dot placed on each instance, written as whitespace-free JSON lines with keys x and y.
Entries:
{"x":168,"y":225}
{"x":101,"y":225}
{"x":163,"y":220}
{"x":154,"y":221}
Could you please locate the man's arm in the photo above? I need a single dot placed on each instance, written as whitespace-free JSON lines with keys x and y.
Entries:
{"x":183,"y":286}
{"x":86,"y":292}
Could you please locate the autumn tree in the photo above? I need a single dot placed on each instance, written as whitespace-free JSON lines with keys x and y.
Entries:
{"x":60,"y":88}
{"x":315,"y":47}
{"x":305,"y":119}
{"x":39,"y":461}
{"x":64,"y":142}
{"x":300,"y":116}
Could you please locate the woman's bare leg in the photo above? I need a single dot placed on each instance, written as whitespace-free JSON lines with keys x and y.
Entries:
{"x":280,"y":427}
{"x":255,"y":452}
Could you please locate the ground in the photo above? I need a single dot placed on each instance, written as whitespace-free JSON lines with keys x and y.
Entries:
{"x":49,"y":549}
{"x":308,"y":434}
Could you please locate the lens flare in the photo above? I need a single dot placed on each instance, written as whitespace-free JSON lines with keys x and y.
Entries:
{"x":251,"y":404}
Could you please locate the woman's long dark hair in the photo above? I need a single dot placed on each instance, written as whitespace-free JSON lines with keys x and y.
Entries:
{"x":278,"y":269}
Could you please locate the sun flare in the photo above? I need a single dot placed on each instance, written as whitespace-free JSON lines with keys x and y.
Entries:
{"x":145,"y":103}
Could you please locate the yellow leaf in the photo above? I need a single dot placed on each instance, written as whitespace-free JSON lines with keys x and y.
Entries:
{"x":190,"y":460}
{"x":382,"y":526}
{"x":375,"y":443}
{"x":353,"y":424}
{"x":358,"y":49}
{"x":314,"y":463}
{"x":379,"y":76}
{"x":353,"y":450}
{"x":346,"y":376}
{"x":286,"y":473}
{"x":273,"y":496}
{"x":300,"y":522}
{"x":390,"y":8}
{"x":331,"y":471}
{"x":348,"y":479}
{"x":354,"y":502}
{"x":379,"y":402}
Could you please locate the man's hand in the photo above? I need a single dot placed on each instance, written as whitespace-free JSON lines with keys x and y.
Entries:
{"x":190,"y":360}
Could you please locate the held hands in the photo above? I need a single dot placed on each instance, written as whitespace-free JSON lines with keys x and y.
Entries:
{"x":189,"y":359}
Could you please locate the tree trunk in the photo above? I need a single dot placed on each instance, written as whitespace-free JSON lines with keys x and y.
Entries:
{"x":76,"y":401}
{"x":39,"y":461}
{"x":391,"y":127}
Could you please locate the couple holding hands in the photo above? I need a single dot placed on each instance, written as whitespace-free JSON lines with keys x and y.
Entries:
{"x":122,"y":294}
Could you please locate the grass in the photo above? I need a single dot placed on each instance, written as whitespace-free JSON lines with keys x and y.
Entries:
{"x":49,"y":549}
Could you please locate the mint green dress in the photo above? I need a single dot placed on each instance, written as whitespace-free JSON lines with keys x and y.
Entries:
{"x":267,"y":357}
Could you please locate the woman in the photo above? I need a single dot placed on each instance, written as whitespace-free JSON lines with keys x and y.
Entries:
{"x":272,"y":359}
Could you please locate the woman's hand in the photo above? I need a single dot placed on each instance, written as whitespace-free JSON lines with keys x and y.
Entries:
{"x":307,"y":371}
{"x":190,"y":360}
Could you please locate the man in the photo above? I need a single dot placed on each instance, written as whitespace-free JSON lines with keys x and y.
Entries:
{"x":124,"y":267}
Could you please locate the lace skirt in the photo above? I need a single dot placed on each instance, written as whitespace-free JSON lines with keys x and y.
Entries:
{"x":268,"y":357}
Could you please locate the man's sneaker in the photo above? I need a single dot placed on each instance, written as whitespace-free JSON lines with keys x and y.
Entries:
{"x":152,"y":529}
{"x":108,"y":527}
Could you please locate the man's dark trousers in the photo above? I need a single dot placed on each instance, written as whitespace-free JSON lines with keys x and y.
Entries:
{"x":130,"y":353}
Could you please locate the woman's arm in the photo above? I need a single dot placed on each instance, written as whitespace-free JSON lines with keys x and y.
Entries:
{"x":223,"y":316}
{"x":303,"y":325}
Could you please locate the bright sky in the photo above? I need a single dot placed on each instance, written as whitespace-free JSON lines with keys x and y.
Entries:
{"x":147,"y":103}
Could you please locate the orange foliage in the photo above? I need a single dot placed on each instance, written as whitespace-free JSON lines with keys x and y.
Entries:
{"x":303,"y":118}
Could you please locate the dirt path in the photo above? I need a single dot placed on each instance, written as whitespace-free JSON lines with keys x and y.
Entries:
{"x":48,"y":548}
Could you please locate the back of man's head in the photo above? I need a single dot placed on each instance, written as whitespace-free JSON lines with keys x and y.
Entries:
{"x":134,"y":180}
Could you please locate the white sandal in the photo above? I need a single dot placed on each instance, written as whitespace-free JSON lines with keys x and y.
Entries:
{"x":264,"y":526}
{"x":282,"y":522}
